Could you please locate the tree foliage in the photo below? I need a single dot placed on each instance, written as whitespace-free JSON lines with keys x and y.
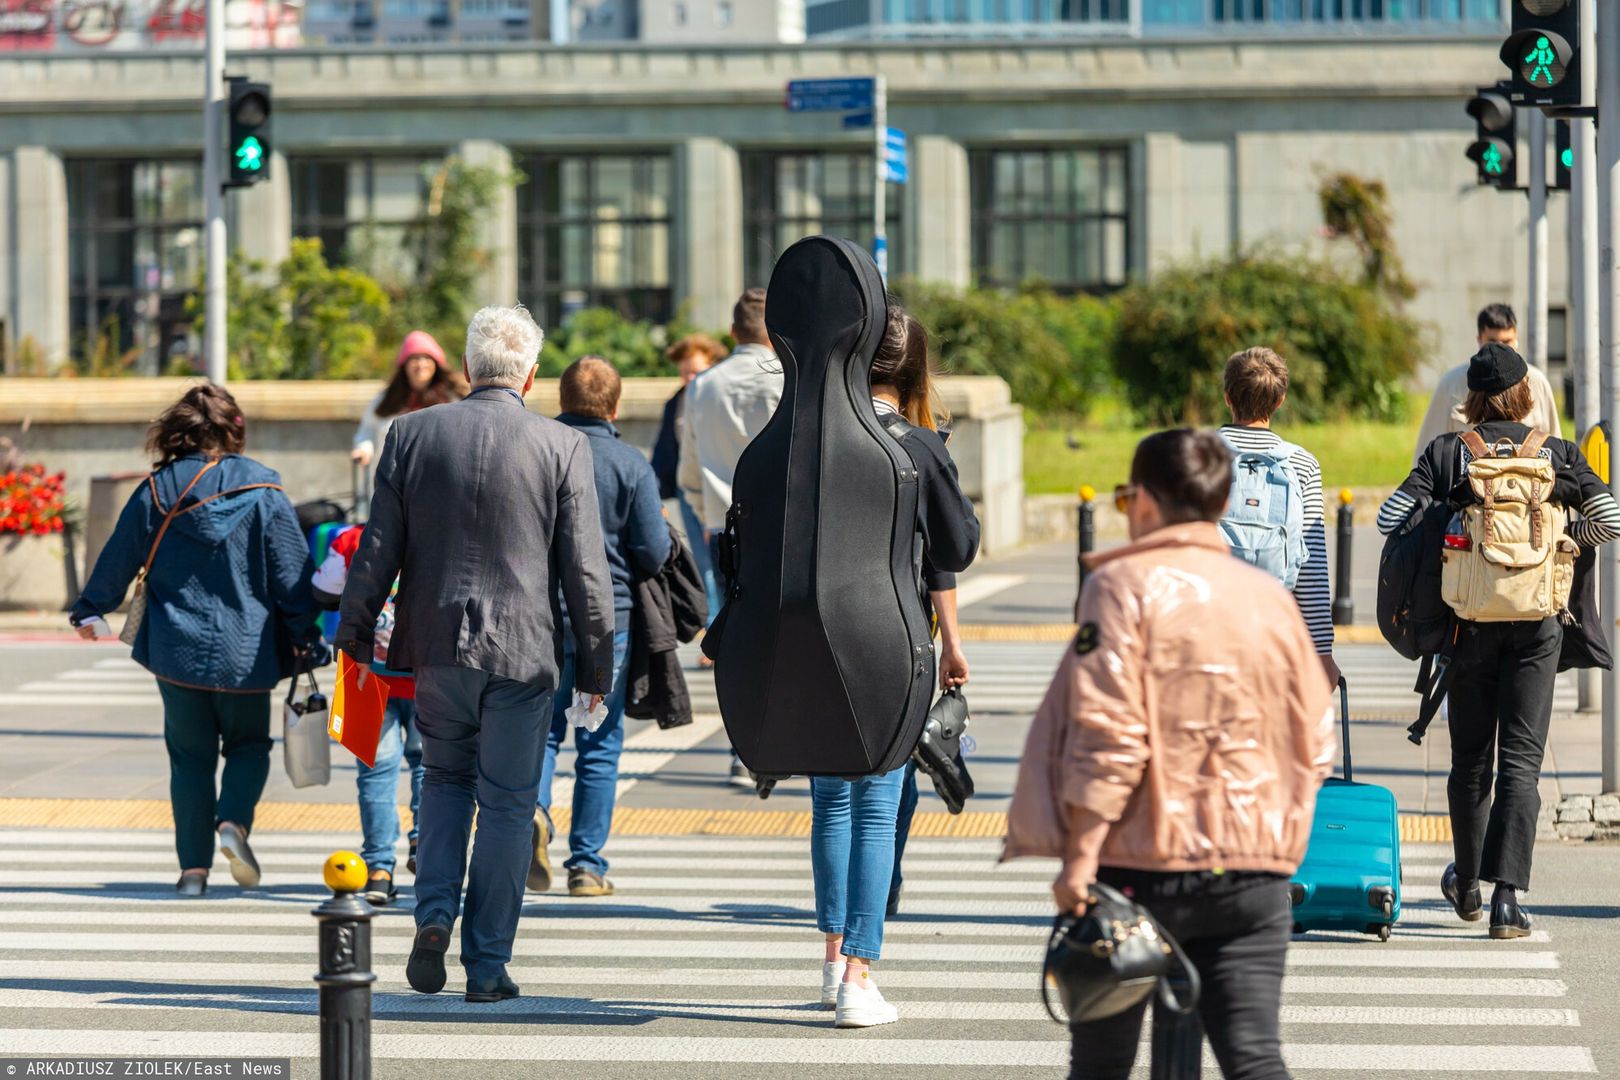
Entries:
{"x":1358,"y":210}
{"x":1052,"y":350}
{"x":1349,"y":347}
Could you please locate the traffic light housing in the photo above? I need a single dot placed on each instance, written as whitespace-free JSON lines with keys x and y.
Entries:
{"x":1563,"y":155}
{"x":247,"y":152}
{"x":1494,"y":150}
{"x":1543,"y":52}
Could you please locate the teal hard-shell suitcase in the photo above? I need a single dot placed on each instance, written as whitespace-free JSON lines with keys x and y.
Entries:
{"x":1351,"y":876}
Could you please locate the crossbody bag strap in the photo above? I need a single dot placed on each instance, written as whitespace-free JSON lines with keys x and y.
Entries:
{"x":232,"y":491}
{"x":170,"y":515}
{"x":1531,"y":447}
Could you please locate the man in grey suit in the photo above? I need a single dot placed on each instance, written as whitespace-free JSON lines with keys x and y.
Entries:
{"x":482,"y":510}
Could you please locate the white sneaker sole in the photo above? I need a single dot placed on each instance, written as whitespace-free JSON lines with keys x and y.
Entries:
{"x":242,"y":871}
{"x":866,"y":1019}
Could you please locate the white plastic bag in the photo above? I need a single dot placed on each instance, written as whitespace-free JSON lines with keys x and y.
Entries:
{"x":306,"y":747}
{"x":581,"y":715}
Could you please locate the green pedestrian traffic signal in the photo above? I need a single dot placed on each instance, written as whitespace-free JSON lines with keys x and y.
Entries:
{"x":1495,"y":137}
{"x":1564,"y":155}
{"x":248,"y":114}
{"x":250,"y":154}
{"x":1543,"y":53}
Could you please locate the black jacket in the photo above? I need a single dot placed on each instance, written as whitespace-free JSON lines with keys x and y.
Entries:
{"x":670,"y":609}
{"x":666,"y":454}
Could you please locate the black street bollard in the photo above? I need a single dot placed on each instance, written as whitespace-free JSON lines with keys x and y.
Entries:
{"x":345,"y":977}
{"x":1088,"y":539}
{"x":1344,"y":605}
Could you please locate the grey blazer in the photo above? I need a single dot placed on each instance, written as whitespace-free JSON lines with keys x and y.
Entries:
{"x":481,"y":508}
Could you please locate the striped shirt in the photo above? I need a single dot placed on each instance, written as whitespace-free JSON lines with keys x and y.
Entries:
{"x":1312,"y":590}
{"x":1599,"y":520}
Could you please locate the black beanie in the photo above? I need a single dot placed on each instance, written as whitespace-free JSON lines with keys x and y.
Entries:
{"x":1496,"y":368}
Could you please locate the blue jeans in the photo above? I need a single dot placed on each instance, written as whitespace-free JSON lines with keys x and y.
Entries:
{"x":852,"y":855}
{"x":483,"y":741}
{"x":596,"y":768}
{"x":902,"y":828}
{"x":379,"y":806}
{"x":700,"y":554}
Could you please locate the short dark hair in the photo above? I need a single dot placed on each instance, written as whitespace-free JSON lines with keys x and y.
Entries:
{"x":1256,"y":383}
{"x":206,"y":420}
{"x":748,"y":317}
{"x":1188,"y":473}
{"x":1497,"y":317}
{"x":589,"y":387}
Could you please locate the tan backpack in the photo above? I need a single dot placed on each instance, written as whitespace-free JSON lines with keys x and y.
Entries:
{"x":1512,"y":560}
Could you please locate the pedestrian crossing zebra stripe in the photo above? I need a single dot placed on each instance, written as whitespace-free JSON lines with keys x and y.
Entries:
{"x":807,"y":1053}
{"x":762,"y":1008}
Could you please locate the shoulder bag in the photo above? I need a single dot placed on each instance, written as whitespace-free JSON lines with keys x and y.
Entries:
{"x":1110,"y":958}
{"x":137,"y":603}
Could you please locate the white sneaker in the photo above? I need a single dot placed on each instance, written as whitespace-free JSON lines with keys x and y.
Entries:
{"x":832,"y":977}
{"x":859,"y":1008}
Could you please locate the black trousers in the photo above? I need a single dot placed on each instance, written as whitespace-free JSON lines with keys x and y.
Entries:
{"x":1235,"y":929}
{"x":1500,"y":708}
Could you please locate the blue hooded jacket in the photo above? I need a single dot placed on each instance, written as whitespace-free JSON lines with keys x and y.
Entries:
{"x":228,"y":597}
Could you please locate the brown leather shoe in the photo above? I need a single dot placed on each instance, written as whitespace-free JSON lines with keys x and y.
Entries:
{"x":540,"y":861}
{"x":585,"y":883}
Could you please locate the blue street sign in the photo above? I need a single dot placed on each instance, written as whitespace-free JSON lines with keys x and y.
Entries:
{"x":895,"y":168}
{"x":858,"y":120}
{"x":830,"y":95}
{"x":880,"y":255}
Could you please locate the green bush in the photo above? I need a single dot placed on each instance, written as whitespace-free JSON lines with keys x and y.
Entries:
{"x":1349,"y":346}
{"x":635,"y":348}
{"x":1053,"y":351}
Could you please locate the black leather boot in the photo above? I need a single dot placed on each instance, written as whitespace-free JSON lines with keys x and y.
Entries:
{"x":1508,"y":919}
{"x":1466,"y":902}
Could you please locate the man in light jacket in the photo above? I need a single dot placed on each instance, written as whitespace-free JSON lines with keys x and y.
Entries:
{"x":1445,"y":416}
{"x":726,"y":407}
{"x":478,"y":504}
{"x":1178,"y":753}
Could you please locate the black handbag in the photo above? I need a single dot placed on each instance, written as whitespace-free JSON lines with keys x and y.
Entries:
{"x":939,"y":750}
{"x":1110,"y":959}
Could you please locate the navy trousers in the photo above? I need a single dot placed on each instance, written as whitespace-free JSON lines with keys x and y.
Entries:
{"x":483,"y":741}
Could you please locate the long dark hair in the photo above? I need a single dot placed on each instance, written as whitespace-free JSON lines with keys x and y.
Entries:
{"x":206,"y":420}
{"x":902,"y":362}
{"x":447,"y":386}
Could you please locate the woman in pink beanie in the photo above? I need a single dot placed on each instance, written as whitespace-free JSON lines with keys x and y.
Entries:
{"x":421,"y":378}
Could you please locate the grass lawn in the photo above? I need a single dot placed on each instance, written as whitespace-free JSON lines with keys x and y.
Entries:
{"x":1354,"y":453}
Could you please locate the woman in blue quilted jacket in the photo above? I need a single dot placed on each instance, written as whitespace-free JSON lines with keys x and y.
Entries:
{"x":228,"y":610}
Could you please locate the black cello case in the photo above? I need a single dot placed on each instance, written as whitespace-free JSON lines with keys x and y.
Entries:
{"x":824,"y":659}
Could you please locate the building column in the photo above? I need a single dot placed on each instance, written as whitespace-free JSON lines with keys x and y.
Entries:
{"x":497,"y":234}
{"x":39,"y":241}
{"x":263,"y":216}
{"x":707,"y":269}
{"x":938,"y":213}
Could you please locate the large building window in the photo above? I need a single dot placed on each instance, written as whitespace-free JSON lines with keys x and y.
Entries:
{"x":788,"y":196}
{"x":365,"y":211}
{"x":135,"y":235}
{"x":593,"y":231}
{"x":1055,"y":215}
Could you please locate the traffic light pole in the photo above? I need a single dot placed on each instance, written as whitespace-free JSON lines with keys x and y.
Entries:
{"x":1539,"y":236}
{"x":1583,"y":306}
{"x":1608,"y":159}
{"x":214,"y":193}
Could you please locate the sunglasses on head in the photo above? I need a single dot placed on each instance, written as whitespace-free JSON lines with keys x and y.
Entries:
{"x":1124,"y":495}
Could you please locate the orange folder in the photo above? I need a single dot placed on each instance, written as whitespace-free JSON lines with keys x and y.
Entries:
{"x":357,"y":714}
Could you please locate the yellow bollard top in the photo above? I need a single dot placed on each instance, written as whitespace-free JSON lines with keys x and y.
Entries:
{"x":1087,"y":493}
{"x":1346,"y":496}
{"x":344,"y":872}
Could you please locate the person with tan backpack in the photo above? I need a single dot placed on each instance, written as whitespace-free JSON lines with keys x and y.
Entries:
{"x":1524,"y":505}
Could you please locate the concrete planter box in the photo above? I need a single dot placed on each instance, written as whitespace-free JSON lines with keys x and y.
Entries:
{"x":33,"y":573}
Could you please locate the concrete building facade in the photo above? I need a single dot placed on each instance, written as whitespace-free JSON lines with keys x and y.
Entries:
{"x":662,"y":179}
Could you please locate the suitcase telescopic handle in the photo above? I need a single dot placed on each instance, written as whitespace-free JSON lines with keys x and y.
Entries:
{"x":1344,"y":725}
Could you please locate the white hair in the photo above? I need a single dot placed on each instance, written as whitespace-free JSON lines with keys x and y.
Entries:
{"x":503,"y":343}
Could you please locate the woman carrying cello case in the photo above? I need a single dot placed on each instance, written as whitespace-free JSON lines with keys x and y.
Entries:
{"x":825,"y":663}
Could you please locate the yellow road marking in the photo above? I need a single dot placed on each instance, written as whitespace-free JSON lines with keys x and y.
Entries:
{"x":627,"y":821}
